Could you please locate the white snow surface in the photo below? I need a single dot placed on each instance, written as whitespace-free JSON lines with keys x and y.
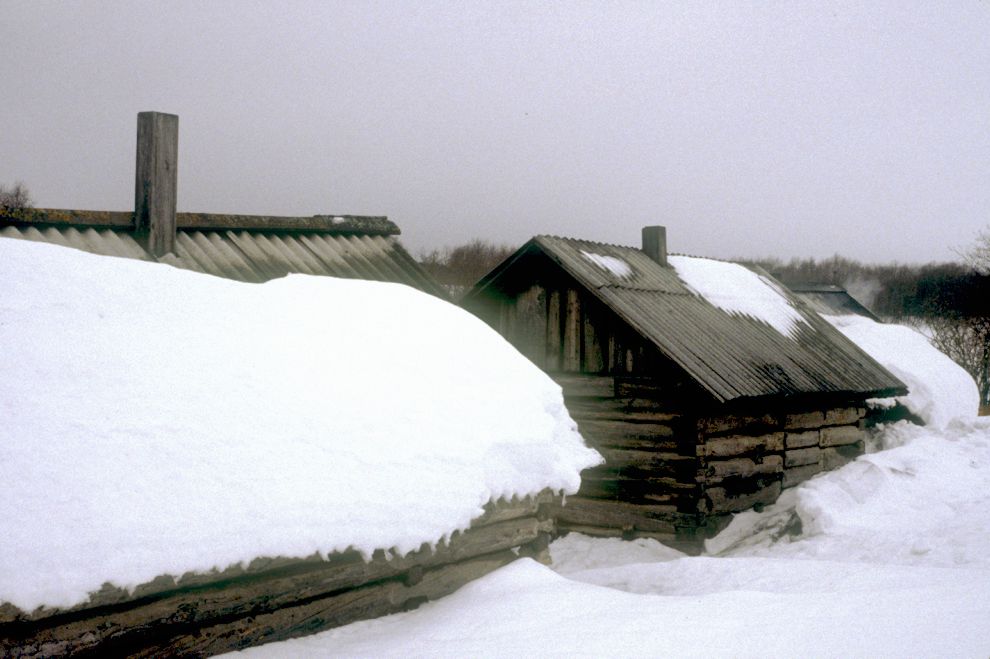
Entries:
{"x":738,"y":290}
{"x":888,"y":556}
{"x":891,"y":559}
{"x":939,"y":390}
{"x":612,"y":264}
{"x":158,"y":421}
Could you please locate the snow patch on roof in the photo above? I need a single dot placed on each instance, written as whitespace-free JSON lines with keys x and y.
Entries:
{"x":159,"y":421}
{"x":611,"y":264}
{"x":739,"y":291}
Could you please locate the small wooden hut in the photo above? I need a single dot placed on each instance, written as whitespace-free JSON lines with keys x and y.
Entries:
{"x":700,"y":412}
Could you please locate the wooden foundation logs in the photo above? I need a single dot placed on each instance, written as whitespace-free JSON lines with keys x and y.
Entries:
{"x":277,"y":599}
{"x":668,"y":471}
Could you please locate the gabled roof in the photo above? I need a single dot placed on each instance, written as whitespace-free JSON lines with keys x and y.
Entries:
{"x":731,"y":355}
{"x":243,"y":247}
{"x":831,"y":300}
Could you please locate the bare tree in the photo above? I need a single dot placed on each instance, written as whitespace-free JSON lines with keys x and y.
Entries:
{"x":458,"y":268}
{"x":14,"y":197}
{"x":978,"y":256}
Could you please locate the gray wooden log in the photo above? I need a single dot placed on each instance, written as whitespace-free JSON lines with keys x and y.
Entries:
{"x":841,"y":435}
{"x":804,"y":420}
{"x":572,"y":331}
{"x":802,"y":456}
{"x":837,"y":456}
{"x":593,"y":386}
{"x":529,"y":330}
{"x":617,"y":514}
{"x":349,"y":583}
{"x":721,"y":500}
{"x":156,"y":180}
{"x":797,"y":475}
{"x":738,"y":445}
{"x":802,"y":439}
{"x":844,"y":416}
{"x":718,"y":470}
{"x":735,"y":423}
{"x":648,"y":463}
{"x":554,"y":339}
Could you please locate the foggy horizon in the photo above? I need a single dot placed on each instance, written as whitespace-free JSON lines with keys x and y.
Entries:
{"x":749,"y":131}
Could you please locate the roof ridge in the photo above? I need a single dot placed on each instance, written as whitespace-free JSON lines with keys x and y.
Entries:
{"x":583,"y":240}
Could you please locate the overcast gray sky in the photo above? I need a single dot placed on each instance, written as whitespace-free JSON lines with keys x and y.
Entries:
{"x":748,"y":129}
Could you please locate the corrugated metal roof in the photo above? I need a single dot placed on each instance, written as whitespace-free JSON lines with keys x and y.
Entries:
{"x":830,"y":299}
{"x":732,"y":356}
{"x":336,"y":246}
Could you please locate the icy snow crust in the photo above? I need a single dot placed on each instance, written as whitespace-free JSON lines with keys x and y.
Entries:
{"x":738,"y":290}
{"x":939,"y":390}
{"x":158,"y":421}
{"x":616,"y":266}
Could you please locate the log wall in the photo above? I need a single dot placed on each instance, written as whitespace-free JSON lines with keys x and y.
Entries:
{"x":276,"y":599}
{"x":648,"y":485}
{"x":678,"y":475}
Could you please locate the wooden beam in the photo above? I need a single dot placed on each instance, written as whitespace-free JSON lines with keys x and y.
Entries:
{"x":156,"y":180}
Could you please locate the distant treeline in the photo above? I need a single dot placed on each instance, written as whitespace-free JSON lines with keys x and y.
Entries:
{"x":895,"y":290}
{"x":458,"y":268}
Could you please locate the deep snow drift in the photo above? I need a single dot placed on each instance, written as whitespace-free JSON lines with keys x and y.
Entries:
{"x":939,"y":389}
{"x":888,"y":556}
{"x":159,"y":421}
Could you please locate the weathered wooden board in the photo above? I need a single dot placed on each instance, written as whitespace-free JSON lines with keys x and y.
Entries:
{"x":735,"y":423}
{"x":802,"y":439}
{"x":156,"y":180}
{"x":722,"y":500}
{"x":591,"y":386}
{"x":572,"y":331}
{"x":837,"y":456}
{"x":737,"y":445}
{"x":618,"y":515}
{"x":343,"y":588}
{"x":842,"y":416}
{"x":623,"y":434}
{"x":841,"y":435}
{"x":804,"y":420}
{"x":797,"y":475}
{"x":717,"y":470}
{"x":530,"y":326}
{"x":554,"y":340}
{"x":802,"y":456}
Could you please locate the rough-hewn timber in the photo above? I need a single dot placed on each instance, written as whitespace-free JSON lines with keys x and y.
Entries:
{"x":276,"y":599}
{"x":675,"y":474}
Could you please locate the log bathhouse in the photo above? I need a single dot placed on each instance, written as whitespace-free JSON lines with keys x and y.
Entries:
{"x":700,"y":409}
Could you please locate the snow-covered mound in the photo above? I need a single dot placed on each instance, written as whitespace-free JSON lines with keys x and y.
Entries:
{"x":939,"y":389}
{"x":158,"y":421}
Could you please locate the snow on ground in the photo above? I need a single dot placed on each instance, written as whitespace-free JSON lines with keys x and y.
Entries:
{"x":738,"y":290}
{"x":939,"y":389}
{"x":892,"y":559}
{"x":158,"y":421}
{"x":888,"y":556}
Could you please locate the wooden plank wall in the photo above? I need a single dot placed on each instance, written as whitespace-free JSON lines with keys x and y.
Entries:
{"x":562,"y":328}
{"x":277,"y":599}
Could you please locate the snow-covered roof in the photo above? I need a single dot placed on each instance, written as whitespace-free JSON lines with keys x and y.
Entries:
{"x":251,"y":248}
{"x":733,"y":328}
{"x":941,"y":391}
{"x":159,"y":421}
